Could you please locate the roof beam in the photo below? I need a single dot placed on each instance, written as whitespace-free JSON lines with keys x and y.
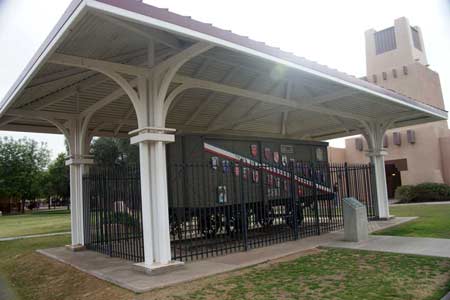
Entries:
{"x":209,"y":85}
{"x":305,"y":82}
{"x":24,"y":113}
{"x":214,"y":125}
{"x":148,"y":34}
{"x":6,"y":120}
{"x":318,"y":133}
{"x":126,"y":117}
{"x":116,"y":94}
{"x":116,"y":121}
{"x":285,"y":114}
{"x":79,"y":86}
{"x":96,"y":64}
{"x":67,"y":73}
{"x":255,"y":116}
{"x":211,"y":96}
{"x":218,"y":87}
{"x":64,"y":93}
{"x":249,"y":85}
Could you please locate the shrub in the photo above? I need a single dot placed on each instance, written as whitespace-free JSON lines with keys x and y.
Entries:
{"x":423,"y":192}
{"x":405,"y":193}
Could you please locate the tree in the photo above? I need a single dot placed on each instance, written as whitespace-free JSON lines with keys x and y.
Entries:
{"x":22,"y":164}
{"x":114,"y":152}
{"x":57,"y":182}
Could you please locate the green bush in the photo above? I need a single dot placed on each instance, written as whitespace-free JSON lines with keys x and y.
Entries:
{"x":405,"y":193}
{"x":423,"y":192}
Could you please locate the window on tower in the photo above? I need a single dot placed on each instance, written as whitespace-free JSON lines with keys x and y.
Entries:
{"x":416,"y":39}
{"x":385,"y":40}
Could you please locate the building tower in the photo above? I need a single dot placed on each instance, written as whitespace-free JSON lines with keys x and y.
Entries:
{"x":396,"y":60}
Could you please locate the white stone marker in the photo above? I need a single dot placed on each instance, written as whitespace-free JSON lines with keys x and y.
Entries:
{"x":355,"y":220}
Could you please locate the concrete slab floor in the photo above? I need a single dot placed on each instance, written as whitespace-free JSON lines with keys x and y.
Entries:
{"x":397,"y":244}
{"x":122,"y":273}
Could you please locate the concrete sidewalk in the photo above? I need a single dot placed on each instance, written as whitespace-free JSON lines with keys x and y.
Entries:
{"x":6,"y":292}
{"x":421,"y":203}
{"x":122,"y":273}
{"x":398,"y":244}
{"x":13,"y":238}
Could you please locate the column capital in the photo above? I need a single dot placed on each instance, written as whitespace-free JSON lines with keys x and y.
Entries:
{"x":79,"y":160}
{"x":152,"y":134}
{"x":376,"y":153}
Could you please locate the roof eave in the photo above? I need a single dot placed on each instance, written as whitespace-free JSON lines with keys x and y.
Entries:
{"x":143,"y":13}
{"x":72,"y":13}
{"x":77,"y":8}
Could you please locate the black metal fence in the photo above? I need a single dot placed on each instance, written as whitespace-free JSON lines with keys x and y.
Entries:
{"x":113,"y":212}
{"x":223,"y":208}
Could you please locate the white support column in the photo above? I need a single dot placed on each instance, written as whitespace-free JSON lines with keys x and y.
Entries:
{"x":151,"y":108}
{"x":160,"y":203}
{"x":144,"y":159}
{"x":377,"y":160}
{"x":374,"y":133}
{"x":154,"y":104}
{"x":76,"y":206}
{"x":77,"y":162}
{"x":155,"y":206}
{"x":155,"y":203}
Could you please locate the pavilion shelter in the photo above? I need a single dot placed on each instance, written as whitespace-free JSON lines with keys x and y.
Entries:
{"x":120,"y":68}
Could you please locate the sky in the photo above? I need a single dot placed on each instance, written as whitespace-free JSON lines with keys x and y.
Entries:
{"x":329,"y":32}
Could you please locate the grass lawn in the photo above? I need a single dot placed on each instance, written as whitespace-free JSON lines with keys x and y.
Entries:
{"x":322,"y":274}
{"x":35,"y":223}
{"x":433,"y":221}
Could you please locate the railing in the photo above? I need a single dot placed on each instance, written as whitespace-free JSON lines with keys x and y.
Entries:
{"x":113,"y":212}
{"x":223,"y":207}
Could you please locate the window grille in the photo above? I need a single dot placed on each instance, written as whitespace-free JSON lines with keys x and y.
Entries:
{"x":385,"y":141}
{"x":411,"y":136}
{"x":397,"y":138}
{"x":416,"y":39}
{"x":359,"y":144}
{"x":385,"y":40}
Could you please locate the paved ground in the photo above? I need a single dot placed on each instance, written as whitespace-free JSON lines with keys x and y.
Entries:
{"x":6,"y":293}
{"x":380,"y":225}
{"x":446,"y":297}
{"x":32,"y":236}
{"x":421,"y":203}
{"x":121,"y":272}
{"x":398,"y":244}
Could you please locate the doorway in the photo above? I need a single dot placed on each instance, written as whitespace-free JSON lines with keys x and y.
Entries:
{"x":393,"y":179}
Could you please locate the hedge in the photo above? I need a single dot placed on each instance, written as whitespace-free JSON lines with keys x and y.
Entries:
{"x":424,"y":192}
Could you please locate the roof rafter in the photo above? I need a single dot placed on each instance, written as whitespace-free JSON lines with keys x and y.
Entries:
{"x":148,"y":33}
{"x":126,"y":117}
{"x":64,"y":93}
{"x":94,"y":64}
{"x":209,"y":85}
{"x":235,"y":121}
{"x":285,"y":114}
{"x":24,"y":113}
{"x":211,"y":96}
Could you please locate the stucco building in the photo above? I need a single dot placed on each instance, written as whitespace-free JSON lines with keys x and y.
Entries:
{"x":396,"y":60}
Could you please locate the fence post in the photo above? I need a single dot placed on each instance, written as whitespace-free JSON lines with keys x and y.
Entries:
{"x":316,"y":200}
{"x":108,"y":211}
{"x":294,"y":202}
{"x":243,"y":206}
{"x":86,"y":209}
{"x":373,"y":188}
{"x":347,"y":183}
